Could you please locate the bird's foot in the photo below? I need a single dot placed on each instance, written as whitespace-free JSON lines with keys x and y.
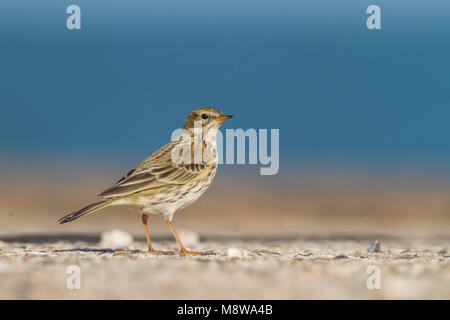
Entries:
{"x":161,"y":253}
{"x":196,"y":253}
{"x":181,"y":253}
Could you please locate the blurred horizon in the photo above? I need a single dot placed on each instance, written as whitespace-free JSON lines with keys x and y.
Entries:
{"x":339,"y":93}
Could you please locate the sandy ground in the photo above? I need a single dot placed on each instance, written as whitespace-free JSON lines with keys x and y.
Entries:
{"x":295,"y":237}
{"x":257,"y":269}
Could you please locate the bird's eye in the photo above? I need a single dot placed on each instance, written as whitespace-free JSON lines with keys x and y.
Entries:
{"x":204,"y":116}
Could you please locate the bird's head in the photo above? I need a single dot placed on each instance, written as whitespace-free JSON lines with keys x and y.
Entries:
{"x":207,"y":117}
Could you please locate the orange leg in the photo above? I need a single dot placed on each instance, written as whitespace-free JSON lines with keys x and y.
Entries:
{"x":144,"y":221}
{"x":183,"y":249}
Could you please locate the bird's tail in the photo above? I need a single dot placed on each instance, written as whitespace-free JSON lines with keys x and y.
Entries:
{"x":85,"y":211}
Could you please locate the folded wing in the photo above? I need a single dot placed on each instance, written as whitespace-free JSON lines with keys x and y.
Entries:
{"x":156,"y":171}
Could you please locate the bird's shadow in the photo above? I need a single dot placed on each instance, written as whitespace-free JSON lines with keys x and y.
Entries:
{"x":127,"y":251}
{"x":97,"y":250}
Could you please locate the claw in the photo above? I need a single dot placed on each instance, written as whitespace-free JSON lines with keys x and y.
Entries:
{"x":196,"y":253}
{"x":161,"y":253}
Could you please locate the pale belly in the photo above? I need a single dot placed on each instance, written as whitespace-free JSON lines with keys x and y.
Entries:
{"x":168,"y":201}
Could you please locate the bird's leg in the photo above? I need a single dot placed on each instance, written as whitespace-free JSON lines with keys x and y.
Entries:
{"x":183,"y":249}
{"x":144,"y":221}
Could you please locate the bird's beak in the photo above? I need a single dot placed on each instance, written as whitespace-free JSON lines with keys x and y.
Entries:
{"x":223,"y":118}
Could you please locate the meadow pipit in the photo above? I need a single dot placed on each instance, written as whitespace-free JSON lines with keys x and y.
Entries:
{"x":171,"y":178}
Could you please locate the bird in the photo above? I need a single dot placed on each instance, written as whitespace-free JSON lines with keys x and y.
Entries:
{"x":171,"y":178}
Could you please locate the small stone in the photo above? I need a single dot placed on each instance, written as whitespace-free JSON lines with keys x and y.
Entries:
{"x":341,"y":256}
{"x":115,"y":239}
{"x":236,"y":253}
{"x":375,"y":247}
{"x":189,"y":238}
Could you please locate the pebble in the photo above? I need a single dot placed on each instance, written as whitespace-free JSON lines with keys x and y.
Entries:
{"x":189,"y":238}
{"x":114,"y":239}
{"x":375,"y":247}
{"x":236,"y":253}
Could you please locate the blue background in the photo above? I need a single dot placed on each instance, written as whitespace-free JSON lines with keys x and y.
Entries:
{"x":121,"y":84}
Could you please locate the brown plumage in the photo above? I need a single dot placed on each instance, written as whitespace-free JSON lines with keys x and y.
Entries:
{"x":171,"y":178}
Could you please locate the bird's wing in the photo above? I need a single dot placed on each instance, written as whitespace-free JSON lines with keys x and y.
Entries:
{"x":156,"y":171}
